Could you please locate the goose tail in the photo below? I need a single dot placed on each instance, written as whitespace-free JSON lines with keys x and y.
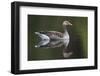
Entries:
{"x":42,"y":36}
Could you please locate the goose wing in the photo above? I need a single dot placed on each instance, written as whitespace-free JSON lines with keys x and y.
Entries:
{"x":52,"y":34}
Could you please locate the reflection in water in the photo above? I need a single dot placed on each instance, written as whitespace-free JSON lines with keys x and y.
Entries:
{"x":54,"y":44}
{"x":53,"y":39}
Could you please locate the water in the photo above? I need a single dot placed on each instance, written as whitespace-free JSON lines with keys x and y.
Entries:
{"x":77,"y":47}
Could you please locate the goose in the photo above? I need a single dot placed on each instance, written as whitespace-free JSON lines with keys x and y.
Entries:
{"x":55,"y":35}
{"x":52,"y":39}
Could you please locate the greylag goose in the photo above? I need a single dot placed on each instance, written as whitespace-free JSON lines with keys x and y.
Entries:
{"x":55,"y":35}
{"x":52,"y":39}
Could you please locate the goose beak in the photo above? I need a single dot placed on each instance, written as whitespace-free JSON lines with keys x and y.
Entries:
{"x":67,"y":23}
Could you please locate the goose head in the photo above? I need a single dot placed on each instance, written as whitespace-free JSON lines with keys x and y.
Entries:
{"x":66,"y":23}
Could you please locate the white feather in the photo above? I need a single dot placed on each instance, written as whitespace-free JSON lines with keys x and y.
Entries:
{"x":42,"y":36}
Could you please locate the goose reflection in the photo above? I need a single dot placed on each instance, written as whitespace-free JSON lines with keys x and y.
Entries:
{"x":54,"y":39}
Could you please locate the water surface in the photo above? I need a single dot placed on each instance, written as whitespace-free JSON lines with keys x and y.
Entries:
{"x":78,"y":37}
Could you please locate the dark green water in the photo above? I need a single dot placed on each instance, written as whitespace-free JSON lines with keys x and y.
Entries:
{"x":78,"y":37}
